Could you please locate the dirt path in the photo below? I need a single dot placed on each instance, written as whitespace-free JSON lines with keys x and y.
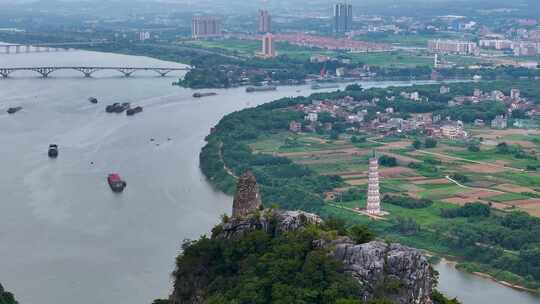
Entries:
{"x":229,"y":171}
{"x":470,"y":161}
{"x":451,"y":157}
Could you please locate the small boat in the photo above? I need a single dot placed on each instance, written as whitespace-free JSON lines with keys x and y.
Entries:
{"x":116,"y":183}
{"x":122,"y":107}
{"x":14,"y":110}
{"x":199,"y":95}
{"x":110,"y":108}
{"x":93,"y":100}
{"x":261,"y":89}
{"x":53,"y":151}
{"x":134,"y":111}
{"x":117,"y":107}
{"x":319,"y":86}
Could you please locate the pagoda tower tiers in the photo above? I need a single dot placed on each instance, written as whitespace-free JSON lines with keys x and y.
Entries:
{"x":373,"y":194}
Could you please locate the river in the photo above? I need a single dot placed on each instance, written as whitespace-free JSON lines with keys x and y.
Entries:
{"x":64,"y":237}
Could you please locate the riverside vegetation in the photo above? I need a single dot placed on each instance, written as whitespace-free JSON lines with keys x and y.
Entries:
{"x":505,"y":244}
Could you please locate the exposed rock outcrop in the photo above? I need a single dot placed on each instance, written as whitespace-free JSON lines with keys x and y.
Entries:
{"x":270,"y":221}
{"x":247,"y":198}
{"x":378,"y":266}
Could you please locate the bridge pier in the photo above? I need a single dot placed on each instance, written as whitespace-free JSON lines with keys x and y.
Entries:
{"x":126,"y":72}
{"x":28,"y":48}
{"x":86,"y":71}
{"x":162,"y":72}
{"x":45,"y":71}
{"x":17,"y":49}
{"x":5,"y":73}
{"x":8,"y":49}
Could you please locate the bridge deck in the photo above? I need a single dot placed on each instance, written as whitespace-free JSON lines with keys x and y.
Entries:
{"x":44,"y":71}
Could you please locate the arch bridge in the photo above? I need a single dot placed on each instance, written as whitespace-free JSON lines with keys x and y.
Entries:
{"x":87,"y":71}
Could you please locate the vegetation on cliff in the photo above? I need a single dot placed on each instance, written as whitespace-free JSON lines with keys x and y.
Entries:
{"x":6,"y":297}
{"x":266,"y":265}
{"x":261,"y":268}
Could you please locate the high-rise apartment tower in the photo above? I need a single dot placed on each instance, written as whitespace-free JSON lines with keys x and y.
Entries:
{"x":205,"y":26}
{"x":265,"y":22}
{"x":343,"y":17}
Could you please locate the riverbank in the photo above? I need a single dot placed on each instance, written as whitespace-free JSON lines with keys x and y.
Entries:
{"x":454,"y":262}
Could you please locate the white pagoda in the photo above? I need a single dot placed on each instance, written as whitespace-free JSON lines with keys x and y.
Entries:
{"x":373,"y":206}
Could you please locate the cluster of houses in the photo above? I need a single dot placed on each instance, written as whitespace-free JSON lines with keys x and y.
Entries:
{"x":346,"y":109}
{"x":355,"y":113}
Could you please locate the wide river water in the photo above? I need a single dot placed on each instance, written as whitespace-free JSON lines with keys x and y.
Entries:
{"x":65,"y":237}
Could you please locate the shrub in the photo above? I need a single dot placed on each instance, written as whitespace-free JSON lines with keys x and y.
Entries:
{"x":387,"y":161}
{"x":461,"y":178}
{"x":430,"y":143}
{"x":468,"y":210}
{"x":417,"y":144}
{"x":361,"y":234}
{"x":407,"y":201}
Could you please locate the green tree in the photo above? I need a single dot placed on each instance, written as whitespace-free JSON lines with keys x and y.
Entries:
{"x":417,"y":144}
{"x":502,"y":148}
{"x":473,"y":148}
{"x":354,"y":87}
{"x":387,"y":161}
{"x":361,"y":234}
{"x":430,"y":143}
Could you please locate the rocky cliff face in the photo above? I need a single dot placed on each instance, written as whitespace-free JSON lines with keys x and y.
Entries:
{"x":403,"y":269}
{"x":247,"y":198}
{"x":270,"y":221}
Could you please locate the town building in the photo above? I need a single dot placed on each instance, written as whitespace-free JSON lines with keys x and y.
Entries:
{"x":343,"y":17}
{"x":444,"y":90}
{"x":318,"y":58}
{"x":340,"y":72}
{"x":268,"y":50}
{"x":205,"y":27}
{"x":477,"y":93}
{"x":453,"y":47}
{"x":500,"y":122}
{"x":295,"y":127}
{"x":312,"y":116}
{"x":265,"y":22}
{"x":497,"y":95}
{"x":144,"y":36}
{"x":453,"y":130}
{"x":515,"y":94}
{"x":412,"y":96}
{"x":498,"y":44}
{"x":479,"y":122}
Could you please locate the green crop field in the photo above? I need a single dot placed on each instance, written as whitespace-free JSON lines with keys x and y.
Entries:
{"x":508,"y":197}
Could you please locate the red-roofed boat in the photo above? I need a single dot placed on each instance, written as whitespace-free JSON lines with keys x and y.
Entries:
{"x":116,"y":183}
